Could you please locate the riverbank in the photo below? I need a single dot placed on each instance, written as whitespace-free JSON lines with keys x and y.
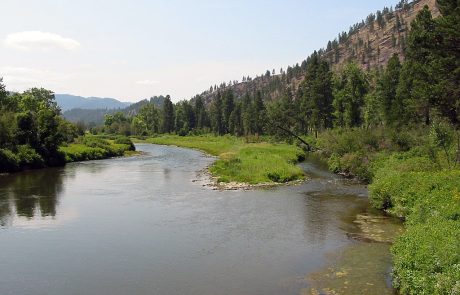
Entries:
{"x":90,"y":147}
{"x":414,"y":175}
{"x":241,"y":164}
{"x":83,"y":148}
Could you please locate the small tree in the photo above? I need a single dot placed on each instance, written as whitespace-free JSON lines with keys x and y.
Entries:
{"x":442,"y":136}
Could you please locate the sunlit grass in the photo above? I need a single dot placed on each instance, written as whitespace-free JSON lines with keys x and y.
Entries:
{"x":239,"y":161}
{"x":95,"y":148}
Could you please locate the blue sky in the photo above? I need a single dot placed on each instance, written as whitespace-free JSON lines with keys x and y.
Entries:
{"x":132,"y":50}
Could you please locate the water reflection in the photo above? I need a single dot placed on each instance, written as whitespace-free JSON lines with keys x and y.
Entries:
{"x":32,"y":194}
{"x":140,"y":226}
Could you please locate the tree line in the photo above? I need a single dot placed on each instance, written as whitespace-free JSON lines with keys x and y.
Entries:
{"x":410,"y":92}
{"x":32,"y":129}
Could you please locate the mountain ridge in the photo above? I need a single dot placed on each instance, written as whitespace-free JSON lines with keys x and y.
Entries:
{"x":68,"y":101}
{"x":370,"y":44}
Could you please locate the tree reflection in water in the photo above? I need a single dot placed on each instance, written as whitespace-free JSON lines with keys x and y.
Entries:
{"x":30,"y":194}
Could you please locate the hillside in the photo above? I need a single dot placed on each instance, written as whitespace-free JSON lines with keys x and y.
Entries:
{"x":96,"y":116}
{"x":369,"y":43}
{"x":372,"y":42}
{"x":68,"y":102}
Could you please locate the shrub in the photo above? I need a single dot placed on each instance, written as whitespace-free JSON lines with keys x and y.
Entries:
{"x":9,"y":162}
{"x":95,"y":148}
{"x":28,"y":157}
{"x":399,"y":192}
{"x":427,"y":258}
{"x":126,"y":141}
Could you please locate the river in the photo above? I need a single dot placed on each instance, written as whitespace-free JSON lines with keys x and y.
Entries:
{"x":148,"y":225}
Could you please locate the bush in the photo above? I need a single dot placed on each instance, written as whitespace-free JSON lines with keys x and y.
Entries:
{"x":126,"y":141}
{"x":427,"y":258}
{"x":401,"y":192}
{"x":28,"y":157}
{"x":9,"y":162}
{"x":95,"y":148}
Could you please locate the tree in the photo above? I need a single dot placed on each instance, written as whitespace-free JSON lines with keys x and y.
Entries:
{"x":316,"y":95}
{"x":417,"y":87}
{"x":236,"y":122}
{"x":227,"y":109}
{"x":248,"y":114}
{"x":391,"y":108}
{"x":351,"y":86}
{"x":259,"y":113}
{"x":149,"y":117}
{"x":168,"y":115}
{"x":216,"y":115}
{"x":448,"y":58}
{"x":201,"y":115}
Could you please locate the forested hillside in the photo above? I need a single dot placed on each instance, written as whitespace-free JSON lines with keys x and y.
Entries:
{"x":369,"y":43}
{"x":412,"y":91}
{"x":95,"y":117}
{"x":67,"y":102}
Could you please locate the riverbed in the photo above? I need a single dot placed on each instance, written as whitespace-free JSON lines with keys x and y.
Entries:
{"x":149,"y":224}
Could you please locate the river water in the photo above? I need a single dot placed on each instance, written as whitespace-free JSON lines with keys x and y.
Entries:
{"x":144,"y":225}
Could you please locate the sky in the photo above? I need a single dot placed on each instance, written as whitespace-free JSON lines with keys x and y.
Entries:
{"x":135,"y":49}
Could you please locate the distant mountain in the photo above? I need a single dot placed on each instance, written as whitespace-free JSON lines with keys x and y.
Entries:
{"x":96,"y":116}
{"x":68,"y":102}
{"x":89,"y":117}
{"x":133,"y":109}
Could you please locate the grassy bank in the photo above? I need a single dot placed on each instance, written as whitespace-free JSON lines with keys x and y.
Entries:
{"x":83,"y":148}
{"x":413,"y":175}
{"x":90,"y":147}
{"x":251,"y":163}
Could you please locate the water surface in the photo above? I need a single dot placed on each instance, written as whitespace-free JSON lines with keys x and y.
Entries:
{"x":142,"y":225}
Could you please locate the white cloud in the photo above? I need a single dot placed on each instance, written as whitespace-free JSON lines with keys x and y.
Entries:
{"x":30,"y":40}
{"x":147,"y":82}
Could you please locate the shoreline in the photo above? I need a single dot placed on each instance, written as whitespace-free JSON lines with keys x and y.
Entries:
{"x":207,"y":179}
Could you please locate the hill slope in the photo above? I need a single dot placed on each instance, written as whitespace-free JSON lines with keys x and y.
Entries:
{"x":96,"y":116}
{"x":369,"y":43}
{"x":68,"y":102}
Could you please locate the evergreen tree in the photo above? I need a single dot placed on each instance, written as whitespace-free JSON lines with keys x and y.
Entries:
{"x":201,"y":115}
{"x":448,"y":59}
{"x":351,"y":86}
{"x":417,"y":87}
{"x":391,"y":108}
{"x":216,"y":115}
{"x":259,"y":113}
{"x":228,"y":106}
{"x":168,"y":115}
{"x":247,"y":113}
{"x":316,"y":95}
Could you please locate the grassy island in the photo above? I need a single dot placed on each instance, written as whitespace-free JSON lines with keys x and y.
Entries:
{"x":239,"y":161}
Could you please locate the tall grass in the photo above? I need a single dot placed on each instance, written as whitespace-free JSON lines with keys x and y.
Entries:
{"x":91,"y":147}
{"x":243,"y":162}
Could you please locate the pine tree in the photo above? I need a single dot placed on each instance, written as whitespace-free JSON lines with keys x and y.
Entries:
{"x":216,"y":115}
{"x":168,"y":115}
{"x":392,"y":110}
{"x":351,"y":86}
{"x":259,"y":113}
{"x":227,"y":109}
{"x":418,"y":78}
